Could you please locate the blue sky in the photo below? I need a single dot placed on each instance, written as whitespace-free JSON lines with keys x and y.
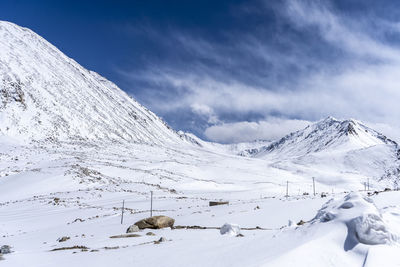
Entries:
{"x":233,"y":71}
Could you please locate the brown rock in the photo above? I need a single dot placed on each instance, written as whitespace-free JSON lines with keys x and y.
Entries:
{"x":301,"y":222}
{"x":125,"y":236}
{"x":63,"y":239}
{"x":162,"y":239}
{"x":155,"y":222}
{"x":216,"y":203}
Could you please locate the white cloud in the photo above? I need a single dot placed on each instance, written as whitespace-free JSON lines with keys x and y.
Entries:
{"x":205,"y":111}
{"x":270,"y":129}
{"x":363,"y":85}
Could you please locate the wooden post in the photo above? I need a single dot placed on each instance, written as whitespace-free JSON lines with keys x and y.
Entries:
{"x":365,"y":186}
{"x":313,"y":184}
{"x":122,"y":215}
{"x":368,"y":184}
{"x":151,"y":204}
{"x":287,"y":188}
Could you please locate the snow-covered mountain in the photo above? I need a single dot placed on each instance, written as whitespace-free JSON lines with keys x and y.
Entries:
{"x":328,"y":134}
{"x":46,"y":95}
{"x":333,"y":147}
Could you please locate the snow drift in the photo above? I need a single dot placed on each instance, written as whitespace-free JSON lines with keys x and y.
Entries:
{"x":362,"y":218}
{"x":346,"y":231}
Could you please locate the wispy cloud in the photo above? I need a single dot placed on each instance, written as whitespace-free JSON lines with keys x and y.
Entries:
{"x":313,"y":62}
{"x":244,"y":131}
{"x":345,"y":32}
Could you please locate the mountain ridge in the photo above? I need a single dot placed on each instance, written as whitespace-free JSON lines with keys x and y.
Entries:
{"x":324,"y":134}
{"x":49,"y":96}
{"x":332,"y":148}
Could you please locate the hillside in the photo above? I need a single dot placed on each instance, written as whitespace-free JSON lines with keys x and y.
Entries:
{"x":335,"y":152}
{"x":328,"y":134}
{"x":47,"y":96}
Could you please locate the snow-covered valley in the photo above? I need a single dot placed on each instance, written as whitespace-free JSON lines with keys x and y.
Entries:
{"x":74,"y":148}
{"x":48,"y":195}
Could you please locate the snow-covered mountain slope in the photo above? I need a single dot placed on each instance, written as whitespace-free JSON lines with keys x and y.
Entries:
{"x":46,"y":95}
{"x":328,"y":134}
{"x":331,"y":148}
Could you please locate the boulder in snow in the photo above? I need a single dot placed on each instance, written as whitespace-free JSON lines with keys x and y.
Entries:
{"x":63,"y":239}
{"x":301,"y":222}
{"x":230,"y":229}
{"x":155,"y":222}
{"x":5,"y":249}
{"x":162,"y":239}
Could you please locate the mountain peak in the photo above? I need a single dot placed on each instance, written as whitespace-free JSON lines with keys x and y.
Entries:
{"x":47,"y":95}
{"x":326,"y":135}
{"x":329,"y":119}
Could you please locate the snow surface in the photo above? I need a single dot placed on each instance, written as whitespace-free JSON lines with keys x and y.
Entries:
{"x":73,"y":147}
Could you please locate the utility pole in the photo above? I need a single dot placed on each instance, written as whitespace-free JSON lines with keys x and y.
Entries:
{"x":287,"y":188}
{"x":313,"y":183}
{"x":151,"y":204}
{"x":122,"y":215}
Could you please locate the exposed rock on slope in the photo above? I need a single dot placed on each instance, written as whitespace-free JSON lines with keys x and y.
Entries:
{"x":46,"y":95}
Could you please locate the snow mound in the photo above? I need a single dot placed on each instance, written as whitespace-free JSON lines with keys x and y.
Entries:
{"x":230,"y":229}
{"x":364,"y":221}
